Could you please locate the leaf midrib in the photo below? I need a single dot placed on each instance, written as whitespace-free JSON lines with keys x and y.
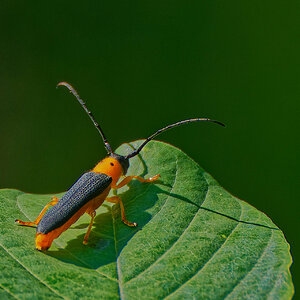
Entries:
{"x":117,"y":259}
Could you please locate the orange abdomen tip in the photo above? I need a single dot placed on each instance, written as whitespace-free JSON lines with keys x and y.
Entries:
{"x":43,"y":241}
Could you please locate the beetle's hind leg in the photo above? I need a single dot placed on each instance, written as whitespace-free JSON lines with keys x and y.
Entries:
{"x":37,"y":220}
{"x":117,"y":199}
{"x":86,"y":237}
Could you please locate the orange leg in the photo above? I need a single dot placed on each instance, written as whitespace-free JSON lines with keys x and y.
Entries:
{"x":129,"y":178}
{"x":37,"y":221}
{"x":117,"y":199}
{"x":86,"y":237}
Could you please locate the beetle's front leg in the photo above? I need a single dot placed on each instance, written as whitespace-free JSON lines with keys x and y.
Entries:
{"x":129,"y":178}
{"x":117,"y":199}
{"x":38,"y":219}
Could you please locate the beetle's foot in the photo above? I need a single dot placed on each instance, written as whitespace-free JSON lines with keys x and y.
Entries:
{"x":25,"y":223}
{"x":153,"y":178}
{"x":131,"y":224}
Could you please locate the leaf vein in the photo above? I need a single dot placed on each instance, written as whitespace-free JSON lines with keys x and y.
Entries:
{"x":268,"y":296}
{"x":252,"y":269}
{"x":30,"y":272}
{"x":209,"y":260}
{"x":8,"y":291}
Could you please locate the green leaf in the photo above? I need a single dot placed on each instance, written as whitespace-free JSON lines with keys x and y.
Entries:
{"x":194,"y":240}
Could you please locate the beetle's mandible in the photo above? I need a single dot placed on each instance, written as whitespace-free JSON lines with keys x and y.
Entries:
{"x":91,"y":189}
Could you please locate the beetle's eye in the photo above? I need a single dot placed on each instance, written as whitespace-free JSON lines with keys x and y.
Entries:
{"x":111,"y":164}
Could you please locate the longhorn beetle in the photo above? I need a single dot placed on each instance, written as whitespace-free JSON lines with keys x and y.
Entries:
{"x":91,"y":189}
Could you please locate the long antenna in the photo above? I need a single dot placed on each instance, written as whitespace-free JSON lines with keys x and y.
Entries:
{"x":73,"y":91}
{"x":136,"y":152}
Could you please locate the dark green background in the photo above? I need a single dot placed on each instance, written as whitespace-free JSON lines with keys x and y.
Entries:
{"x":141,"y":65}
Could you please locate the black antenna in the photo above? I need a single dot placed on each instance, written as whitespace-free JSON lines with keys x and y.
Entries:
{"x":136,"y":152}
{"x":73,"y":91}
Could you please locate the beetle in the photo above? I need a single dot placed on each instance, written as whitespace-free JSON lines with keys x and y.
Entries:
{"x":91,"y":189}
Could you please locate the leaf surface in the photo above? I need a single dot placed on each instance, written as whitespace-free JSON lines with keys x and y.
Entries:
{"x":194,"y":239}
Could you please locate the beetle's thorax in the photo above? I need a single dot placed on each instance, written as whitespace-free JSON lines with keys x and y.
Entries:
{"x":111,"y":167}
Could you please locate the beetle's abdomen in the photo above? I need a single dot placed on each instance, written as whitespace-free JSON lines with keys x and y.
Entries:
{"x":87,"y":187}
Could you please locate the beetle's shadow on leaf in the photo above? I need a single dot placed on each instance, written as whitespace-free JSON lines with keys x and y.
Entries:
{"x":109,"y":235}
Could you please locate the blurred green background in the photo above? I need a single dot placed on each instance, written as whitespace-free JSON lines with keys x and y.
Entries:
{"x":140,"y":65}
